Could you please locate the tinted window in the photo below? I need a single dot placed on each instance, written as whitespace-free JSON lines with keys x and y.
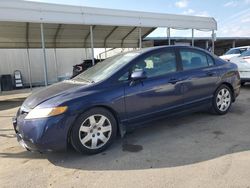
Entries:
{"x":210,"y":60}
{"x":233,"y":51}
{"x":193,"y":59}
{"x":246,"y":53}
{"x":157,"y":64}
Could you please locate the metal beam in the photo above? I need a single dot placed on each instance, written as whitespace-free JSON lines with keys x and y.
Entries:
{"x":44,"y":55}
{"x":56,"y":34}
{"x":150,"y":31}
{"x":92,"y":45}
{"x":126,"y":36}
{"x":87,"y":36}
{"x":27,"y":35}
{"x":110,"y":33}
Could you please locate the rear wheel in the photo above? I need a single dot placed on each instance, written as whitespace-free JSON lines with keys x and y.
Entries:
{"x":94,"y":131}
{"x":222,"y":100}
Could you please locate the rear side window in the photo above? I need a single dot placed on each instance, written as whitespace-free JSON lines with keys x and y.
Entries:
{"x":210,"y":60}
{"x":192,"y":59}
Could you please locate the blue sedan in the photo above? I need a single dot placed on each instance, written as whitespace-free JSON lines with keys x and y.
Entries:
{"x":123,"y":91}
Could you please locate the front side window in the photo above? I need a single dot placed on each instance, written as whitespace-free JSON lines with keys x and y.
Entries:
{"x":193,"y":59}
{"x":157,"y":64}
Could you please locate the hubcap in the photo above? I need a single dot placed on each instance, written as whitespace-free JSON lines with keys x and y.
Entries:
{"x":95,"y":131}
{"x":223,"y":99}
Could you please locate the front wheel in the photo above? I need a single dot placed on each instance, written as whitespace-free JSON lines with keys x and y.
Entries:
{"x":222,"y":100}
{"x":94,"y":131}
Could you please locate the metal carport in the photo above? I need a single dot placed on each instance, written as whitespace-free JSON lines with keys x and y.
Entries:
{"x":25,"y":24}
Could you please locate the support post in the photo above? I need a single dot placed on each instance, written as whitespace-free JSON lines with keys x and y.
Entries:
{"x":92,"y":45}
{"x":56,"y":65}
{"x":29,"y":68}
{"x":44,"y":56}
{"x":213,"y":37}
{"x":233,"y":44}
{"x":168,"y":35}
{"x":206,"y":45}
{"x":193,"y":37}
{"x":140,"y":38}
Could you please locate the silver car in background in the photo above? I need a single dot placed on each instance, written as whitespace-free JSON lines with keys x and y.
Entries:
{"x":243,"y":62}
{"x":234,"y":52}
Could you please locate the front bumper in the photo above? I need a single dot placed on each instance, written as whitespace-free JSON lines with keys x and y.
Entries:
{"x":45,"y":134}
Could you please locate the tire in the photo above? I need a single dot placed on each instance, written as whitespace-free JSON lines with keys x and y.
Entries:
{"x":242,"y":83}
{"x":222,"y":100}
{"x":94,"y":131}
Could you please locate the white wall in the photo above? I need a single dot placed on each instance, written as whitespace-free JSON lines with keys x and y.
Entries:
{"x":17,"y":59}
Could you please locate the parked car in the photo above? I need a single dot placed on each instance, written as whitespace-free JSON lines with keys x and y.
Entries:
{"x":123,"y":91}
{"x":243,"y":63}
{"x":234,"y":52}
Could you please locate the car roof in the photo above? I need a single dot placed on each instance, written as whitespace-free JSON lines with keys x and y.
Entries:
{"x":144,"y":50}
{"x":241,"y":47}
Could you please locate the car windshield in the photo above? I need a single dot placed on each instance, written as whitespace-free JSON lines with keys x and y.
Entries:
{"x":105,"y":69}
{"x":246,"y":53}
{"x":235,"y":51}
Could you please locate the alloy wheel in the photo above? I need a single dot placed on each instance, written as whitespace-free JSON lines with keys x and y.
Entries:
{"x":95,"y":131}
{"x":223,"y":99}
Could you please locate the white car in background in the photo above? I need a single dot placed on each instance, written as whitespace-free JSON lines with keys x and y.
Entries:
{"x":234,"y":52}
{"x":243,"y":62}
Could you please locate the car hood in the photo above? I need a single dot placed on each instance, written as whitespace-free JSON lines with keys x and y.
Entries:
{"x":52,"y":91}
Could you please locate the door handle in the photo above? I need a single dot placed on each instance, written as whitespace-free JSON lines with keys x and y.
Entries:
{"x":173,"y":80}
{"x":210,"y":73}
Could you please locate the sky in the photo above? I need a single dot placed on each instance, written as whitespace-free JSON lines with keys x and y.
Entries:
{"x":232,"y":16}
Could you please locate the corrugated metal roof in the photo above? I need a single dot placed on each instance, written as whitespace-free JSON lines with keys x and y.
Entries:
{"x":68,"y":26}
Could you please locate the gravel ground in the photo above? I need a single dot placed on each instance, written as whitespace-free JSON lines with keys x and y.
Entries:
{"x":198,"y":150}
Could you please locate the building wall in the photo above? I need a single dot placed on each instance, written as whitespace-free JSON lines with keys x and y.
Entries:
{"x":59,"y":63}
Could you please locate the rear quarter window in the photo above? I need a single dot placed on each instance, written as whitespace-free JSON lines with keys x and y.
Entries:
{"x":192,"y":59}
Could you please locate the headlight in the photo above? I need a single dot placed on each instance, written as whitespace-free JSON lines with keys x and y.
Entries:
{"x":46,"y":112}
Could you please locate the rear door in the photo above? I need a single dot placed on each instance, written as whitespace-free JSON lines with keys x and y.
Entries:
{"x":200,"y":74}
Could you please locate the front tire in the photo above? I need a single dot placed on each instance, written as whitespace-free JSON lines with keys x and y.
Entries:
{"x":94,"y":131}
{"x":222,"y":100}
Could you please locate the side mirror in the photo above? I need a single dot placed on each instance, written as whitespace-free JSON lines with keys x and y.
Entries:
{"x":138,"y":75}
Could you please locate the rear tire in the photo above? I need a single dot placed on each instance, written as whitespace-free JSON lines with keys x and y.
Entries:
{"x":222,"y":100}
{"x":94,"y":131}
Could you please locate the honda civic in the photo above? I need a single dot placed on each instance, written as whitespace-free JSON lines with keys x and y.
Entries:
{"x":89,"y":111}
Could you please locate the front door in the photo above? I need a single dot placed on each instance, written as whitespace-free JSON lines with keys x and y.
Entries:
{"x":159,"y":91}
